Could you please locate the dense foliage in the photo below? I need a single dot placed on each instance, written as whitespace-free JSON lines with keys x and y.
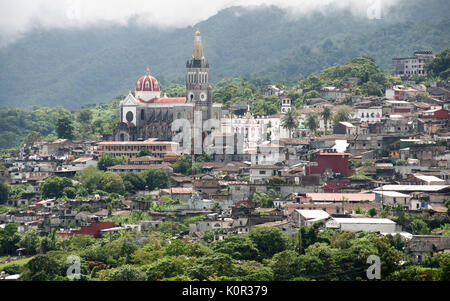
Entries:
{"x":265,"y":254}
{"x":19,"y":126}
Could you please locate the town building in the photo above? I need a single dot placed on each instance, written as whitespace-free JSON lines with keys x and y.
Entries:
{"x":414,"y":65}
{"x":145,"y":114}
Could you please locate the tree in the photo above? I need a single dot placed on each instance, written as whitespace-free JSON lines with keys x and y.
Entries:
{"x":32,"y":137}
{"x":30,"y":242}
{"x":290,"y":122}
{"x":312,"y":123}
{"x":239,"y":247}
{"x":372,"y":212}
{"x":173,"y":228}
{"x":167,"y":267}
{"x":107,"y":160}
{"x":4,"y":192}
{"x":90,"y":178}
{"x":176,"y":247}
{"x":445,"y":267}
{"x":268,"y":241}
{"x":54,"y":187}
{"x":183,"y":165}
{"x":415,"y":273}
{"x":9,"y":237}
{"x":64,"y":128}
{"x":134,"y":181}
{"x":440,"y":65}
{"x":326,"y":115}
{"x":156,"y":179}
{"x":70,"y":192}
{"x":210,"y":266}
{"x":127,"y":273}
{"x":42,"y":268}
{"x":285,"y":265}
{"x":419,"y":227}
{"x":84,"y":116}
{"x":111,"y":182}
{"x":343,"y":114}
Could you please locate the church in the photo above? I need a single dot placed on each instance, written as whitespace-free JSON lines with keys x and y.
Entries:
{"x":144,"y":114}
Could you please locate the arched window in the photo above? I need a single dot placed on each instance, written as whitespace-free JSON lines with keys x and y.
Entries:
{"x":147,"y":85}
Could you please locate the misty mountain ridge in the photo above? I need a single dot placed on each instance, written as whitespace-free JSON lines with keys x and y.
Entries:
{"x":76,"y":66}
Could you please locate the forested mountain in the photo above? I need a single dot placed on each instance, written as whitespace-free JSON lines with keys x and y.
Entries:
{"x":72,"y":67}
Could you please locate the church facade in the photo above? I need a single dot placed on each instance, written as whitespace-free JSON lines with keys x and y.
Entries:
{"x":144,"y":114}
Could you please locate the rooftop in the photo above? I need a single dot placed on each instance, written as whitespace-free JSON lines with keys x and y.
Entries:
{"x":333,"y":197}
{"x":363,"y":221}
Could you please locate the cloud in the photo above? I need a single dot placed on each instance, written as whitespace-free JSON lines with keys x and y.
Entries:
{"x":19,"y":16}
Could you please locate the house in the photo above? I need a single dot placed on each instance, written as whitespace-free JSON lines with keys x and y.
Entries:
{"x":369,"y":114}
{"x":383,"y":225}
{"x":421,"y":246}
{"x":420,"y":179}
{"x":426,"y":152}
{"x":400,"y":106}
{"x":273,"y":90}
{"x":84,"y":162}
{"x":394,"y":198}
{"x":178,"y":180}
{"x":434,"y":195}
{"x":285,"y":226}
{"x":337,"y":163}
{"x":183,"y":194}
{"x":345,"y":128}
{"x":309,"y":217}
{"x":333,"y":93}
{"x":93,"y":229}
{"x":437,"y":113}
{"x":259,"y":173}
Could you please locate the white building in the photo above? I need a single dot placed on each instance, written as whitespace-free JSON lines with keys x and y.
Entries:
{"x":414,"y":65}
{"x":371,"y":114}
{"x":394,"y":198}
{"x":259,"y":173}
{"x":382,"y":225}
{"x":309,"y":217}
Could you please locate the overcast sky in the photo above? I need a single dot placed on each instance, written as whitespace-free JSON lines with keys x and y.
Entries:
{"x":18,"y":16}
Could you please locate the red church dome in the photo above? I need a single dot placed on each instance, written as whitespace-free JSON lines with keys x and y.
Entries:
{"x":147,"y":83}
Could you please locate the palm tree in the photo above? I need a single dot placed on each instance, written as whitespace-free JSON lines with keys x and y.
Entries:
{"x":326,"y":114}
{"x":312,"y":123}
{"x":290,"y":121}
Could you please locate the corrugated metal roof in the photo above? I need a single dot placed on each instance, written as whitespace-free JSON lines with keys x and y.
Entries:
{"x":363,"y":221}
{"x":432,"y":188}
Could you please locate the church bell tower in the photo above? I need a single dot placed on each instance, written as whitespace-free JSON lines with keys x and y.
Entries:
{"x":198,"y":89}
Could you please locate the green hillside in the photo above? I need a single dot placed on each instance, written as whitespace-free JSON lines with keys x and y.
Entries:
{"x":73,"y":67}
